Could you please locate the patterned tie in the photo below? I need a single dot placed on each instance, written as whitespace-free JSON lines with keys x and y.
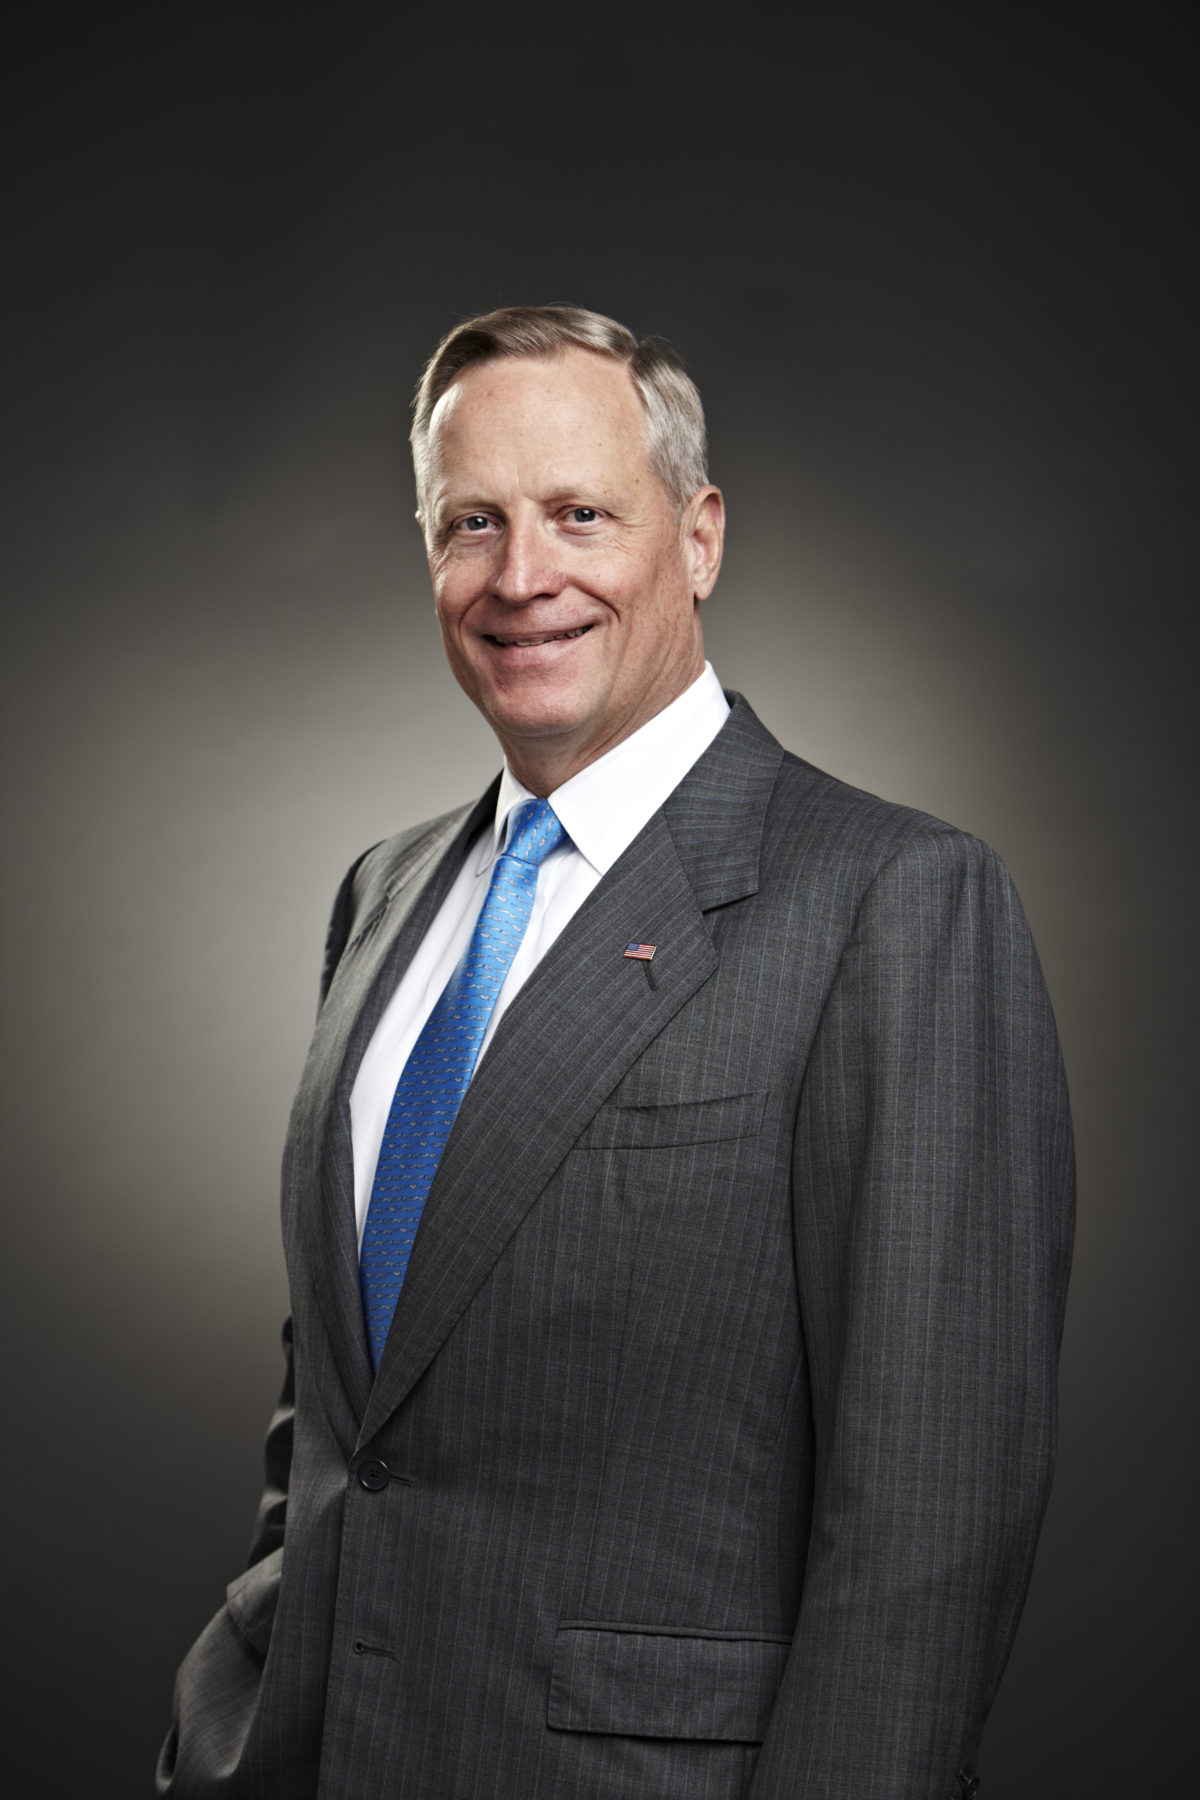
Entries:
{"x":435,"y":1077}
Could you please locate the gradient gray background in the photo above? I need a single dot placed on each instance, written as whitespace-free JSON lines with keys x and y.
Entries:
{"x":936,"y":283}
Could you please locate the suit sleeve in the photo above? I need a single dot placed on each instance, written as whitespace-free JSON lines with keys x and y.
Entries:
{"x":933,"y":1204}
{"x":277,"y":1460}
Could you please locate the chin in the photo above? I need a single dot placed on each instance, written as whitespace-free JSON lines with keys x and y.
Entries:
{"x":534,"y":705}
{"x":520,"y":723}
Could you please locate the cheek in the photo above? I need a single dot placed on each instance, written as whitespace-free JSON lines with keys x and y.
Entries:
{"x":452,"y":597}
{"x":663,"y":601}
{"x":454,"y":643}
{"x":639,"y":589}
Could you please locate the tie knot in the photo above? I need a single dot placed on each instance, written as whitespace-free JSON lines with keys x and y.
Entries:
{"x":535,"y":832}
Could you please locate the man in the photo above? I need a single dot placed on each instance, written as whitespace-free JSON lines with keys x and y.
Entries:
{"x":673,"y":1406}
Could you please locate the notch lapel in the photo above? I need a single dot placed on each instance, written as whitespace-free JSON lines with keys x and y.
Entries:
{"x":320,"y":1230}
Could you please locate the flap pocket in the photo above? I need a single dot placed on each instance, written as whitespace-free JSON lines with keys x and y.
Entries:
{"x":690,"y":1122}
{"x":644,"y":1681}
{"x":252,"y":1598}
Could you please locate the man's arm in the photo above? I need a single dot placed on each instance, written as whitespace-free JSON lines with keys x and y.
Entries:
{"x":933,"y":1196}
{"x":277,"y":1458}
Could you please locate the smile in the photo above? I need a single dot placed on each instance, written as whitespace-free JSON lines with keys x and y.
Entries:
{"x":531,"y":643}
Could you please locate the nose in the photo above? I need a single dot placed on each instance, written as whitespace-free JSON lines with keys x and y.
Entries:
{"x":528,"y":566}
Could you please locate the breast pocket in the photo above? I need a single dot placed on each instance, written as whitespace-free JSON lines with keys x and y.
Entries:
{"x":624,"y":1127}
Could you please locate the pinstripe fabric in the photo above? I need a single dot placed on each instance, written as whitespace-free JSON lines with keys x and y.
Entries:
{"x":719,"y":1398}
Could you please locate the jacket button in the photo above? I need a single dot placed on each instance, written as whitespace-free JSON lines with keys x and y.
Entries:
{"x":373,"y":1473}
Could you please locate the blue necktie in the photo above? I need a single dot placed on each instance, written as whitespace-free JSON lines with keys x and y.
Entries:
{"x":435,"y":1078}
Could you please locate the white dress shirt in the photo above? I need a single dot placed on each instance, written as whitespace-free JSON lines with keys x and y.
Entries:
{"x":602,"y":810}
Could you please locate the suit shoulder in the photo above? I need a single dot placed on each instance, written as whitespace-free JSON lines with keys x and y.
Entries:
{"x":816,"y":816}
{"x":372,"y":877}
{"x":374,"y":874}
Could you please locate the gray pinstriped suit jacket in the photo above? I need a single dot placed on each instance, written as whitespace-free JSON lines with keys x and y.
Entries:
{"x":718,"y":1408}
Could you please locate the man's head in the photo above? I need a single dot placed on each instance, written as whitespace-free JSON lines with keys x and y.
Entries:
{"x":676,"y":445}
{"x":570,"y":529}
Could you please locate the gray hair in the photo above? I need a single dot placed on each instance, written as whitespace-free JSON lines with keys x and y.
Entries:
{"x":676,"y":445}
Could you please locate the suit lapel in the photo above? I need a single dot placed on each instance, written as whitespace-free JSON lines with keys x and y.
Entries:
{"x":320,"y":1151}
{"x":578,"y":1024}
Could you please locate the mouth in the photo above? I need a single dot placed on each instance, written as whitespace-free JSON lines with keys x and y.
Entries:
{"x":533,"y":643}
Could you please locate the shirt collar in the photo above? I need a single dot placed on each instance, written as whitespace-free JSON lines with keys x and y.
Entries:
{"x":606,"y":804}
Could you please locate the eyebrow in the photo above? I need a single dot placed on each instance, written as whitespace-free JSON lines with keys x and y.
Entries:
{"x":577,"y":494}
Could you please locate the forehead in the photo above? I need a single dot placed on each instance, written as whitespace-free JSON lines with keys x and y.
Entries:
{"x":580,"y":406}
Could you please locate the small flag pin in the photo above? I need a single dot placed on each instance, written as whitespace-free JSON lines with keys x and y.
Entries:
{"x":640,"y":952}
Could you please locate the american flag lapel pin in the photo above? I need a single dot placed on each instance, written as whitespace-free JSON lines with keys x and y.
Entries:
{"x":640,"y":952}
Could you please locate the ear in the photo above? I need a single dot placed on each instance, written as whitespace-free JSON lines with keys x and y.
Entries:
{"x":703,"y":530}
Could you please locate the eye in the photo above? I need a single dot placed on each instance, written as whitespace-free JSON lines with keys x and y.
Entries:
{"x":474,"y":522}
{"x":583,"y":515}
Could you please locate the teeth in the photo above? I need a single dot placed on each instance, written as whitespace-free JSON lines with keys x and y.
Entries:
{"x":551,"y":637}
